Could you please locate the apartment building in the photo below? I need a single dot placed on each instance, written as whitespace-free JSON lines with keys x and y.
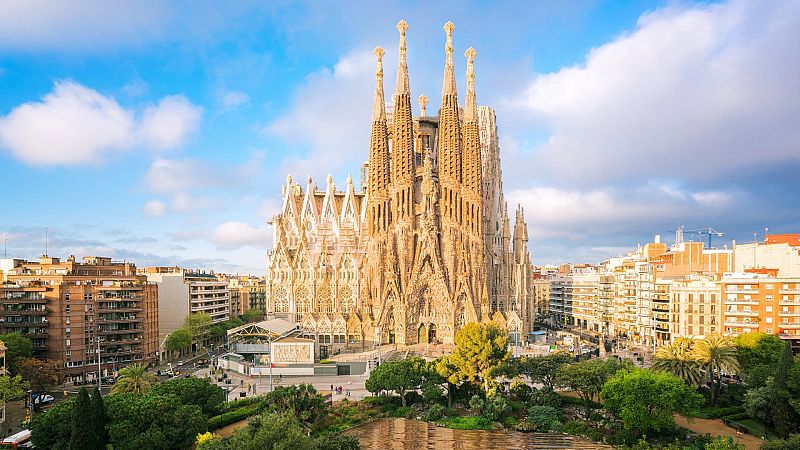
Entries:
{"x":758,"y":302}
{"x":252,"y":292}
{"x":182,"y":292}
{"x":540,"y":298}
{"x":696,"y":307}
{"x":73,"y":310}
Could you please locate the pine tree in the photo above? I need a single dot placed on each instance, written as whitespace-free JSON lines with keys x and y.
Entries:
{"x":83,"y":434}
{"x":784,"y":417}
{"x":100,"y":418}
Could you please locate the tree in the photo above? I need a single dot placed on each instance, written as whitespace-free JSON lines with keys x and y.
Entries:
{"x":52,"y":429}
{"x":268,"y":431}
{"x":150,"y":421}
{"x":193,"y":391}
{"x":480,"y":350}
{"x":301,"y":401}
{"x":12,"y":388}
{"x":791,"y":443}
{"x":399,"y":376}
{"x":17,"y":347}
{"x":723,"y":443}
{"x":587,"y":377}
{"x":197,"y":324}
{"x":99,"y":417}
{"x":84,"y":435}
{"x":544,"y":418}
{"x":134,"y":378}
{"x":252,"y":315}
{"x":450,"y":373}
{"x":645,"y":400}
{"x":677,"y":358}
{"x":179,"y":340}
{"x":784,"y":417}
{"x":758,"y":355}
{"x":758,"y":402}
{"x":542,"y":369}
{"x":717,"y":355}
{"x":43,"y":374}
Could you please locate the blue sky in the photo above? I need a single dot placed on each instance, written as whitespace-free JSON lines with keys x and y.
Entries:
{"x":160,"y":132}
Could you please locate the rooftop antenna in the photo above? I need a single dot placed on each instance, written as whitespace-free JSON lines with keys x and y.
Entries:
{"x":45,"y":241}
{"x":5,"y":245}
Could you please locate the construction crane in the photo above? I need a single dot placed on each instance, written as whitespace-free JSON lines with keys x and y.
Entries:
{"x":708,"y":231}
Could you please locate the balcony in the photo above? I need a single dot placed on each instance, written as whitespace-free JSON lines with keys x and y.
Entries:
{"x":18,"y":324}
{"x":134,"y":309}
{"x":795,"y":291}
{"x":121,"y":320}
{"x":740,"y":301}
{"x":130,"y":331}
{"x":790,"y":326}
{"x":732,"y":323}
{"x":741,"y":313}
{"x":789,"y":302}
{"x":789,"y":314}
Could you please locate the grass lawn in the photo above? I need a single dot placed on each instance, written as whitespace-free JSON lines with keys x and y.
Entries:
{"x":757,"y":428}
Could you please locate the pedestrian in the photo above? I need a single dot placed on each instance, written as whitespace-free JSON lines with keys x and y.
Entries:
{"x":331,"y":388}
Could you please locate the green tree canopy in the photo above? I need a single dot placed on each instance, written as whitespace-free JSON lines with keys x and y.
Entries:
{"x":269,"y":431}
{"x":678,"y":359}
{"x":149,"y":421}
{"x":542,"y":369}
{"x":301,"y":401}
{"x":398,"y":376}
{"x":134,"y":378}
{"x":717,"y":355}
{"x":99,"y":417}
{"x":193,"y":391}
{"x":252,"y":315}
{"x":84,"y":435}
{"x":587,"y":377}
{"x":179,"y":339}
{"x":758,"y":355}
{"x":645,"y":400}
{"x":197,"y":324}
{"x":12,"y":387}
{"x":17,"y":347}
{"x":43,"y":374}
{"x":785,"y":417}
{"x":52,"y":429}
{"x":480,"y":350}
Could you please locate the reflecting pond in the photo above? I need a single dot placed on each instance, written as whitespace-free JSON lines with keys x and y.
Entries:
{"x":402,"y":434}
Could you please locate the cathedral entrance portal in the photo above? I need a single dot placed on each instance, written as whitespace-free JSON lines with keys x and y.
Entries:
{"x":391,"y":337}
{"x":422,"y":334}
{"x":432,"y":334}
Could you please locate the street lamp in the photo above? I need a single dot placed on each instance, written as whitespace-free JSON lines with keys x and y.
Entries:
{"x":378,"y":340}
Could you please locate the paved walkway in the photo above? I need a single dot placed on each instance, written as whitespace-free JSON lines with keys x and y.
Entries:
{"x":718,"y":427}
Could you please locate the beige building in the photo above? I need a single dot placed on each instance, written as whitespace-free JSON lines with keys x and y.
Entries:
{"x":71,"y":309}
{"x":696,"y":308}
{"x":778,"y":251}
{"x":424,"y":246}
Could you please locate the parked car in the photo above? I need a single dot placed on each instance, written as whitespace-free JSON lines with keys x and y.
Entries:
{"x":180,"y":363}
{"x":109,"y":380}
{"x":43,"y":399}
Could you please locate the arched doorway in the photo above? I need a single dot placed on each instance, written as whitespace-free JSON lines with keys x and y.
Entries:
{"x":432,"y":333}
{"x":422,"y":334}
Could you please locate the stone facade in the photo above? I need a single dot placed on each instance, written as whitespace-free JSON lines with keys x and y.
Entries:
{"x":423,"y":247}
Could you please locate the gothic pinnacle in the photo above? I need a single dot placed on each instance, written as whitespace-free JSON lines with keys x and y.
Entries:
{"x":449,"y":84}
{"x":402,"y":67}
{"x":423,"y":102}
{"x":471,"y":110}
{"x":379,"y":105}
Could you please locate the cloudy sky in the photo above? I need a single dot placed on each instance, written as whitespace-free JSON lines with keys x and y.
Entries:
{"x":160,"y":132}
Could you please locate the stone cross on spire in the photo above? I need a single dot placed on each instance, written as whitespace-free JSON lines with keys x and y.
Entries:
{"x":423,"y":102}
{"x":449,"y":84}
{"x":402,"y":68}
{"x":379,"y":106}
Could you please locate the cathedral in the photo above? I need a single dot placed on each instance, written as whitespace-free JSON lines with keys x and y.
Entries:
{"x":423,"y":246}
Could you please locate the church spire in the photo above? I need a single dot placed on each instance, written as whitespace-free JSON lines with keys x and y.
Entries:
{"x":449,"y":84}
{"x":378,"y":182}
{"x":471,"y":110}
{"x":471,"y":163}
{"x":449,"y":155}
{"x":402,"y":139}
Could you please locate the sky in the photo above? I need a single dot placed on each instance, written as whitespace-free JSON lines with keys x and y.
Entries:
{"x":160,"y":132}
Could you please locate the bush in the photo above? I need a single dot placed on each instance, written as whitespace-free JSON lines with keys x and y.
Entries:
{"x":738,"y":416}
{"x":525,"y":426}
{"x":575,"y":401}
{"x":467,"y":423}
{"x":792,"y":443}
{"x":403,"y":411}
{"x":717,"y":412}
{"x":477,"y":403}
{"x":521,"y":391}
{"x":338,"y":442}
{"x":544,"y":418}
{"x":545,"y":397}
{"x":432,"y":392}
{"x":434,"y":413}
{"x":575,"y":428}
{"x":237,"y":415}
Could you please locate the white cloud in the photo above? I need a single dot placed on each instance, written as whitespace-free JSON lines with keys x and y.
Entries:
{"x":695,"y":93}
{"x":230,"y":100}
{"x":136,"y":87}
{"x":237,"y":234}
{"x":176,"y":175}
{"x":71,"y":125}
{"x":74,"y":124}
{"x":336,"y":104}
{"x":155,"y":208}
{"x":169,"y":124}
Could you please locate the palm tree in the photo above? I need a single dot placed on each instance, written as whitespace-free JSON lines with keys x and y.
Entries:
{"x":717,"y":355}
{"x":134,"y":378}
{"x":677,"y":358}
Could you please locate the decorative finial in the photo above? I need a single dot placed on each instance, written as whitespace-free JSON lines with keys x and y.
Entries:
{"x":423,"y":102}
{"x":289,"y":179}
{"x":448,"y":29}
{"x":330,"y":179}
{"x":402,"y":26}
{"x":349,"y":179}
{"x":470,"y":54}
{"x":308,"y":179}
{"x":378,"y":52}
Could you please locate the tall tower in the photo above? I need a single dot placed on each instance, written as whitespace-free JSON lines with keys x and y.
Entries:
{"x":402,"y":141}
{"x":378,"y":181}
{"x":449,"y":162}
{"x":471,"y":164}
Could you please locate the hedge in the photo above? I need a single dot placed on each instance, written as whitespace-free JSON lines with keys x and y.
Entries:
{"x":717,"y":412}
{"x":230,"y":417}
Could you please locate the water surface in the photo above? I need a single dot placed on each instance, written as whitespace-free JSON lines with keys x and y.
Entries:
{"x":402,"y":434}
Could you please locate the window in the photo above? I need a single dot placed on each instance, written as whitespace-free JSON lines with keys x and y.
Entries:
{"x":66,"y":308}
{"x":769,"y":319}
{"x":338,"y":339}
{"x":324,"y":338}
{"x":769,"y":308}
{"x":66,"y":296}
{"x":691,"y":330}
{"x":768,"y":286}
{"x":769,"y":298}
{"x":69,"y":342}
{"x":768,"y":330}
